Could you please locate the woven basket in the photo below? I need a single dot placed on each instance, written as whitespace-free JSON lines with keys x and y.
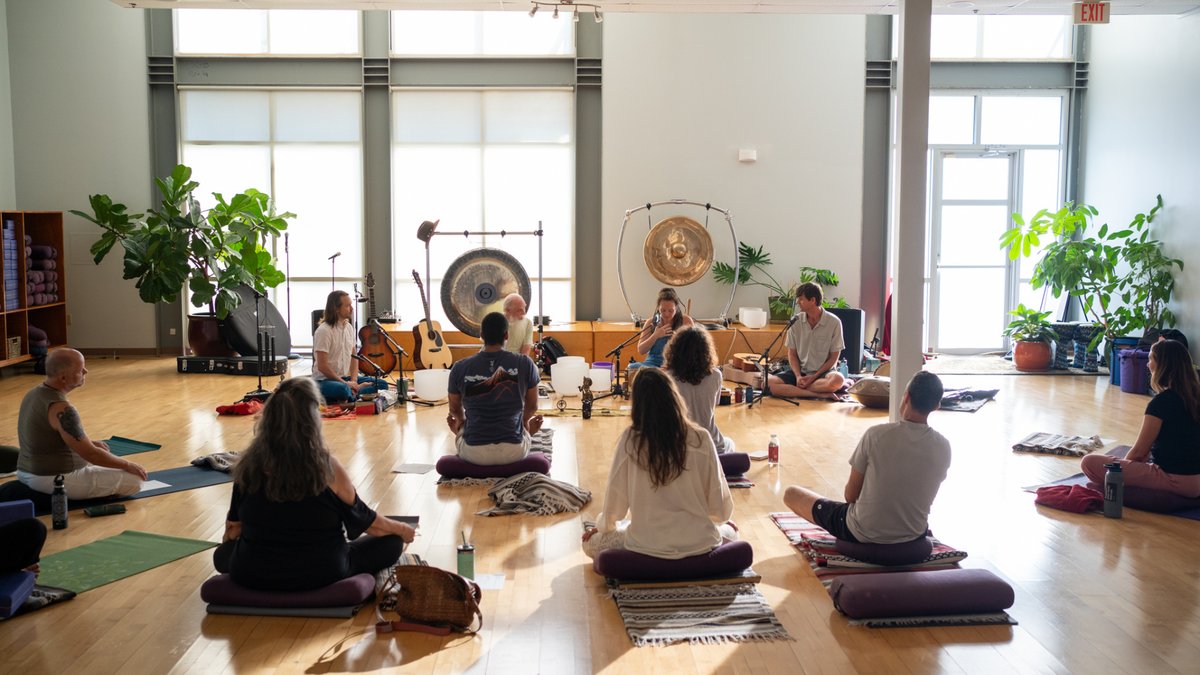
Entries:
{"x":436,"y":597}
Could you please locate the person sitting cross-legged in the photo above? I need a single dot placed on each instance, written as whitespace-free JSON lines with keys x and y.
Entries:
{"x":493,"y":400}
{"x":334,"y":367}
{"x":692,"y":363}
{"x":895,"y":473}
{"x":814,"y":343}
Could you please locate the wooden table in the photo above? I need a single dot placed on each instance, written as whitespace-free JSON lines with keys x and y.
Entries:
{"x":575,"y":336}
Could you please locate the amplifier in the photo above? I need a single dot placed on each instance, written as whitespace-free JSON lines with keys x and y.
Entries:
{"x":230,"y":365}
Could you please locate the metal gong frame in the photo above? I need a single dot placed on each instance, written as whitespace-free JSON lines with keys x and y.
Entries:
{"x":466,"y":234}
{"x":737,"y":270}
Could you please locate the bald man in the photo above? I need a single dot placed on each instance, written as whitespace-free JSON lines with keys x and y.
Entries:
{"x":520,"y":328}
{"x":53,"y":441}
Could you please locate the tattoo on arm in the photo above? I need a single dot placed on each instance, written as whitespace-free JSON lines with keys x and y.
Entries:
{"x":70,"y":422}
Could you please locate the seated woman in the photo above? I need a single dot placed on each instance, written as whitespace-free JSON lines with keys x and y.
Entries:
{"x":665,"y":477}
{"x":1166,"y":455}
{"x":294,"y":506}
{"x":692,"y":363}
{"x":668,"y":318}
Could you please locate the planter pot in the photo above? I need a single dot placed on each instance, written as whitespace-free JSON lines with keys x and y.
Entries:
{"x":1032,"y":356}
{"x":204,"y":336}
{"x":777,"y":316}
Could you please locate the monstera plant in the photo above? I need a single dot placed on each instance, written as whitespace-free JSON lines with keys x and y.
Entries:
{"x":752,"y":271}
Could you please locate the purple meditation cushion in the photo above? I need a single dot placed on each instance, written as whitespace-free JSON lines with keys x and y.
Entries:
{"x":452,"y":466}
{"x":927,"y":593}
{"x":1158,"y":501}
{"x":355,"y":590}
{"x":725,"y":560}
{"x":734,"y":463}
{"x":904,"y":553}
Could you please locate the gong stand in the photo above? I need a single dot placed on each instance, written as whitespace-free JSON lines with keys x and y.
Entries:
{"x":428,"y":235}
{"x":637,"y":319}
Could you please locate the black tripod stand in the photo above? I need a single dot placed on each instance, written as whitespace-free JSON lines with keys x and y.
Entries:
{"x":617,"y":389}
{"x":763,"y":363}
{"x":265,"y":343}
{"x":401,"y":386}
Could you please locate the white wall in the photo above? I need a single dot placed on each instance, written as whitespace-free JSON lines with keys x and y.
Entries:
{"x":80,"y":125}
{"x":8,"y":186}
{"x":682,"y":93}
{"x":1141,"y":139}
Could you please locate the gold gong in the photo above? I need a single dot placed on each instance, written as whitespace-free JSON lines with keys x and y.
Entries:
{"x":678,"y":251}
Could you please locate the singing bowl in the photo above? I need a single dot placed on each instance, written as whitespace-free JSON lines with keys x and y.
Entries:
{"x":432,"y":384}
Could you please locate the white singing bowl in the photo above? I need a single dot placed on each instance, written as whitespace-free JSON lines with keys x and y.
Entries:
{"x":566,"y":378}
{"x":753,"y":317}
{"x":431,"y":384}
{"x":571,"y":359}
{"x":601,"y":378}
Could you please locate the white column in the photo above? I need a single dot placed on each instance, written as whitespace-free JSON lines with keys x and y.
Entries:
{"x":908,"y":234}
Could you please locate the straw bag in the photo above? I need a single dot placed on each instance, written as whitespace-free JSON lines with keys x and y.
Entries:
{"x":434,"y":597}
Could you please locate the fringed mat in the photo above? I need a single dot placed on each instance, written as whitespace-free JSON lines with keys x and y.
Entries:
{"x":989,"y":619}
{"x":542,"y":441}
{"x":735,"y":482}
{"x":656,"y":617}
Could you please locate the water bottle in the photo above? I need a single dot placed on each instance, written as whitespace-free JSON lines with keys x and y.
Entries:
{"x":58,"y":504}
{"x":466,"y":559}
{"x":843,"y":367}
{"x":1114,"y":490}
{"x":773,"y":451}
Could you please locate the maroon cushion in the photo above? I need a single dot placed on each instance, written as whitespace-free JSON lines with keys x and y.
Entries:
{"x":355,"y":590}
{"x":452,"y":466}
{"x":734,"y":463}
{"x":1158,"y":501}
{"x":904,"y":553}
{"x":928,"y":593}
{"x":727,"y":559}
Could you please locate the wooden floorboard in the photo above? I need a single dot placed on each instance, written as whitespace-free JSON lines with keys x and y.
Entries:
{"x":1093,"y":595}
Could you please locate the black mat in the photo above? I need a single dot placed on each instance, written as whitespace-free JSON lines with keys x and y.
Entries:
{"x":966,"y":400}
{"x":178,"y":479}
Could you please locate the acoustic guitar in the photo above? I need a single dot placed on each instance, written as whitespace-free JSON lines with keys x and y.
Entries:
{"x":429,"y":347}
{"x":745,"y":361}
{"x":374,"y":345}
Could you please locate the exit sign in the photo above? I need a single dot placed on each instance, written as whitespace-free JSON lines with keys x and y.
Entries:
{"x":1091,"y":12}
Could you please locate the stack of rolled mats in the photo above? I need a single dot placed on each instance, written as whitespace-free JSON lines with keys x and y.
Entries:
{"x":39,"y":342}
{"x":42,"y":274}
{"x":11,"y":272}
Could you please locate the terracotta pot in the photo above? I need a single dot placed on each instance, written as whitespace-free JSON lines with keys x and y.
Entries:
{"x":1032,"y":356}
{"x":204,"y":336}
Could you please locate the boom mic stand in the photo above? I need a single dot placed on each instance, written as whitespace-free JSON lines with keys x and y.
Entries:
{"x":617,"y":389}
{"x":401,"y":389}
{"x":762,"y":364}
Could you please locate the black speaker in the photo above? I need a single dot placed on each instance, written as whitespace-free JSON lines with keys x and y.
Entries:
{"x":318,"y":315}
{"x":854,"y":324}
{"x":240,"y":329}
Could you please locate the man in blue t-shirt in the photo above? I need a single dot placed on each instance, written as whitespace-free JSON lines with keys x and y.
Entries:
{"x":493,"y":398}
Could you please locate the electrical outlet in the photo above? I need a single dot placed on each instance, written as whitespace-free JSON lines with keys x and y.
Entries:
{"x":172,"y":332}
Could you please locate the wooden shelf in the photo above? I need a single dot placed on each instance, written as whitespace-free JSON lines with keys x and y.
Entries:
{"x":45,"y":228}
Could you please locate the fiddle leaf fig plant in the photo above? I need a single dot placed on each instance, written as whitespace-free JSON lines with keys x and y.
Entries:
{"x":179,"y":243}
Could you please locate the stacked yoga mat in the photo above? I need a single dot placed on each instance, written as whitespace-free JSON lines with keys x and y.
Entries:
{"x":41,"y":262}
{"x":12,"y":299}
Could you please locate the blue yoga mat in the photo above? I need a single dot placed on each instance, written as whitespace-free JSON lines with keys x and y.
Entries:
{"x":121,"y":446}
{"x":184,"y":478}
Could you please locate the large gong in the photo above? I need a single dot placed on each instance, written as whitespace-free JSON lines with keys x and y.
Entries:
{"x":678,"y":251}
{"x":476,"y":284}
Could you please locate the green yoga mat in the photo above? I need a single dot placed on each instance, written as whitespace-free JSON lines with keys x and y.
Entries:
{"x":107,"y":560}
{"x":121,"y":446}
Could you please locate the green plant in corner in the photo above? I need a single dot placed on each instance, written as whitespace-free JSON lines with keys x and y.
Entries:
{"x":1030,"y":325}
{"x":178,"y":243}
{"x":753,"y":263}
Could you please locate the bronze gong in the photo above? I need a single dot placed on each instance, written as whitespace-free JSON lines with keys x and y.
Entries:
{"x":678,"y":251}
{"x":476,"y":284}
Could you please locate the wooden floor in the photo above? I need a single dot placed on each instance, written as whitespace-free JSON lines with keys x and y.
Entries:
{"x":1093,"y":595}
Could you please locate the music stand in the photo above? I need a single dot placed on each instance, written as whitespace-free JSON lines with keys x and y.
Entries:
{"x":763,"y":363}
{"x":617,"y":389}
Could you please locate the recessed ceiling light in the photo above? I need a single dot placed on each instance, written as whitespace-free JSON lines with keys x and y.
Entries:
{"x":960,"y":4}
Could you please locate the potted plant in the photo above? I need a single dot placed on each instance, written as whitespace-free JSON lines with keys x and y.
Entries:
{"x":753,"y":263}
{"x":180,"y":245}
{"x":1033,"y":335}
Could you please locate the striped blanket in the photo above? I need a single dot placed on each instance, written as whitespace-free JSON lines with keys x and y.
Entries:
{"x":1058,"y":444}
{"x":818,"y":548}
{"x":535,"y":493}
{"x":698,"y":615}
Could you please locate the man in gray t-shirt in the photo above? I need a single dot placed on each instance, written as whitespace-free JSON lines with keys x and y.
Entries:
{"x":895,"y":474}
{"x":814,"y":344}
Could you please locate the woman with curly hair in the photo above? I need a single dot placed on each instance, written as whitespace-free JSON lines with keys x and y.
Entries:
{"x":692,"y":363}
{"x":1166,"y":455}
{"x":295,"y":519}
{"x":665,"y":479}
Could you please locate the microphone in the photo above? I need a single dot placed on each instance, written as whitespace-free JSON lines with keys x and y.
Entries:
{"x":792,"y":321}
{"x":335,"y":255}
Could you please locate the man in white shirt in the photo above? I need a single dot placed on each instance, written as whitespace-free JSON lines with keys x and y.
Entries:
{"x":520,"y":328}
{"x":814,"y":344}
{"x":334,"y":366}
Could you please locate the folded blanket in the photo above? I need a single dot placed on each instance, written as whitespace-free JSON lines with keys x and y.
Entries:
{"x":537,"y":494}
{"x":1058,"y":444}
{"x":219,"y":461}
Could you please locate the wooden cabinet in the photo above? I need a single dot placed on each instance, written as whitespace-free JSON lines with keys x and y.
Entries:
{"x":576,"y":338}
{"x":23,"y":307}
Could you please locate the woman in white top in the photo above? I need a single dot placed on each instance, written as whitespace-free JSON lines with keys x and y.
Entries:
{"x":665,"y":481}
{"x":692,"y":363}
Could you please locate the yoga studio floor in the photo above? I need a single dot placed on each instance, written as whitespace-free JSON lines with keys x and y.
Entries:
{"x":1092,"y":595}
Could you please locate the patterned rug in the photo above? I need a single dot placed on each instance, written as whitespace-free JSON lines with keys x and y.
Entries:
{"x":657,"y":617}
{"x":735,"y":482}
{"x":1059,"y":444}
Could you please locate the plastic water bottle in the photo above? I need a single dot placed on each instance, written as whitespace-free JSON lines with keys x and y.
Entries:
{"x":1114,"y":490}
{"x":843,"y":367}
{"x":58,"y":504}
{"x":773,"y":450}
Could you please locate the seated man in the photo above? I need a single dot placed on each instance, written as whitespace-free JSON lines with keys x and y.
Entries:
{"x":814,"y":344}
{"x":520,"y":328}
{"x":334,"y":368}
{"x":895,"y":473}
{"x":493,"y":398}
{"x":53,"y":442}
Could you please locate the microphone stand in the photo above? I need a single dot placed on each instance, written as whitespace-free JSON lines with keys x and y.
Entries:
{"x":265,"y":343}
{"x":762,"y":363}
{"x":402,"y":396}
{"x":617,"y":389}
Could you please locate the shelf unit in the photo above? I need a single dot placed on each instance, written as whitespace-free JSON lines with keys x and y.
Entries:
{"x":46,"y":228}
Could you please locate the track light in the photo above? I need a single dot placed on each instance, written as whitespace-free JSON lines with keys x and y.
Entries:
{"x":568,"y":4}
{"x":599,"y":16}
{"x":556,"y":11}
{"x":533,"y":10}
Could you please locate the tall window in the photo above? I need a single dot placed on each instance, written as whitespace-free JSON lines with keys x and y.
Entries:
{"x":483,"y":161}
{"x":255,"y":31}
{"x":1007,"y":37}
{"x":433,"y":33}
{"x":304,"y":148}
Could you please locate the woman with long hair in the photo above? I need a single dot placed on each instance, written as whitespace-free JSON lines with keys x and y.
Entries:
{"x":668,"y":317}
{"x":295,"y":519}
{"x":1166,"y":455}
{"x":665,"y":479}
{"x":692,"y":363}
